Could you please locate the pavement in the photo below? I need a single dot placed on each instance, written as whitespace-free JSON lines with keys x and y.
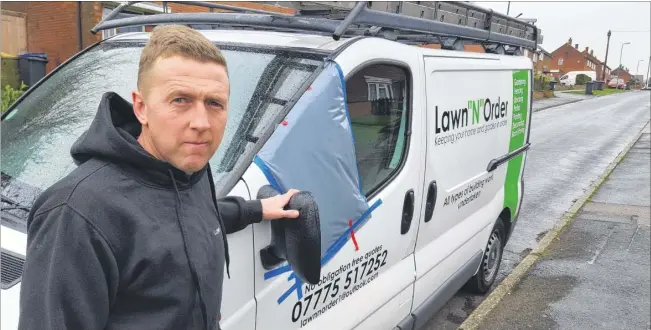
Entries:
{"x":572,"y":145}
{"x":559,"y":99}
{"x":597,"y":274}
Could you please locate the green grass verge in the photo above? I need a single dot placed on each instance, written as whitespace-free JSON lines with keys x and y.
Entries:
{"x":606,"y":91}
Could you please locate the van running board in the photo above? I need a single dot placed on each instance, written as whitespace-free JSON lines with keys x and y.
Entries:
{"x":450,"y":24}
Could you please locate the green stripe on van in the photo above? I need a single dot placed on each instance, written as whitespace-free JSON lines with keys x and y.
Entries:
{"x":518,"y":129}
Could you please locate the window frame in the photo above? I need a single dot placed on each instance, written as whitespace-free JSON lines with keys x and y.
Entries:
{"x":143,"y":8}
{"x":560,"y":61}
{"x":409,"y":91}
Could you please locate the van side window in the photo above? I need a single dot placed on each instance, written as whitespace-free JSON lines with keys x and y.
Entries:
{"x":378,"y":104}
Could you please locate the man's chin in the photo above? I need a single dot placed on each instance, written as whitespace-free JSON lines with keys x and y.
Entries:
{"x":193,"y":166}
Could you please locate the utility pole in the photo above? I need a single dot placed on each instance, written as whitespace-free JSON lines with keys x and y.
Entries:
{"x":648,"y":79}
{"x":508,"y":8}
{"x":603,"y":72}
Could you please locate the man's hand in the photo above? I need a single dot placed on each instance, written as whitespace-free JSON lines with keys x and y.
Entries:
{"x":273,"y":207}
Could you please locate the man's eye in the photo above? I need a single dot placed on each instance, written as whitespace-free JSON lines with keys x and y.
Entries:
{"x":214,"y":104}
{"x":180,"y":100}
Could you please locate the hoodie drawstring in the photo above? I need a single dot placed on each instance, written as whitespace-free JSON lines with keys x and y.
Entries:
{"x":219,"y":219}
{"x":193,"y":270}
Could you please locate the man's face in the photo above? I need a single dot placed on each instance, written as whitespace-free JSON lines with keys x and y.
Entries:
{"x":183,"y":109}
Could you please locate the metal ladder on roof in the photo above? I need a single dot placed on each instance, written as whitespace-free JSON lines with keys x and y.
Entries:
{"x":450,"y":24}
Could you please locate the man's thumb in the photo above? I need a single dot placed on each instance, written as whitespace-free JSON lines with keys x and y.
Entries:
{"x":291,"y":214}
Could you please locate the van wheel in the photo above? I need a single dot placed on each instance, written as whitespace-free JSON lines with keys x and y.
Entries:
{"x":490,"y":263}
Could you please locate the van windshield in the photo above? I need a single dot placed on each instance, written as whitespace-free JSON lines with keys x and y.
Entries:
{"x":39,"y":131}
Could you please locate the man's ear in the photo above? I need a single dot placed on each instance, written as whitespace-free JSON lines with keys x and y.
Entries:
{"x":139,"y":107}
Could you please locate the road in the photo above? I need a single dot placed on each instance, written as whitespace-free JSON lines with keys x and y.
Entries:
{"x":571,"y":145}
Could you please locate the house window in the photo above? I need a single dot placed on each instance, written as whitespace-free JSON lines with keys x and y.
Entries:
{"x":560,"y":61}
{"x":378,"y":105}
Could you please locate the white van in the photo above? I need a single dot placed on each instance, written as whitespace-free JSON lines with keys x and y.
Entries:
{"x":569,"y":79}
{"x":414,"y":157}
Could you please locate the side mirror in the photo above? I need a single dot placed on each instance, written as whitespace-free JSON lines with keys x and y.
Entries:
{"x":296,"y":240}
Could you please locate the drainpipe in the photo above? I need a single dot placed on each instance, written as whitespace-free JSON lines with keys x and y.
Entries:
{"x":79,"y":32}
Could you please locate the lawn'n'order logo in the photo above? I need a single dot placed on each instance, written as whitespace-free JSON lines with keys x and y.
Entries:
{"x":487,"y":109}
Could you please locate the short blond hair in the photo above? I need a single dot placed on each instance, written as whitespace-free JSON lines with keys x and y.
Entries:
{"x":177,"y":40}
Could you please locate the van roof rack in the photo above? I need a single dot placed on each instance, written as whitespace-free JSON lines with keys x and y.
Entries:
{"x":450,"y":24}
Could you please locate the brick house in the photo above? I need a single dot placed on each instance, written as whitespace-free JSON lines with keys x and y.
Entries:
{"x":542,"y":61}
{"x":569,"y":58}
{"x":62,"y":28}
{"x":599,"y":64}
{"x":622,"y":73}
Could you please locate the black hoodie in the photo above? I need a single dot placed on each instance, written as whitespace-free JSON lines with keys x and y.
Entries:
{"x":126,"y":241}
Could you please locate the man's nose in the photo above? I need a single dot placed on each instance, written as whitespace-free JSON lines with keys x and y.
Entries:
{"x":199,"y":120}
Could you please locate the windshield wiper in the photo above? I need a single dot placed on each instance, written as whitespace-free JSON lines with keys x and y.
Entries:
{"x":14,"y":205}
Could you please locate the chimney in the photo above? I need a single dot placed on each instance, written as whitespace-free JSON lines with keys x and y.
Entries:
{"x":591,"y":52}
{"x":576,"y":46}
{"x":586,"y":49}
{"x":569,"y":42}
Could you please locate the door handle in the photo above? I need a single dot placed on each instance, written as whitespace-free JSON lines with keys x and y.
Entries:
{"x":407,"y":212}
{"x":432,"y":191}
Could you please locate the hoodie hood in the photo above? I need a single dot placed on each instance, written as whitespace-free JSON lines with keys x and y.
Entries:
{"x":112,"y":137}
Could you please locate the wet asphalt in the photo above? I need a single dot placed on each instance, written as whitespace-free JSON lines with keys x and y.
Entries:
{"x":571,"y":146}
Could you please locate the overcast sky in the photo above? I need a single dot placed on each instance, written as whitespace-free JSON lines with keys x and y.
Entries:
{"x":587,"y":23}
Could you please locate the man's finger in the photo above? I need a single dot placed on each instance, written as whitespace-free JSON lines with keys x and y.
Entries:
{"x":292,"y":214}
{"x":288,"y":195}
{"x":291,"y":193}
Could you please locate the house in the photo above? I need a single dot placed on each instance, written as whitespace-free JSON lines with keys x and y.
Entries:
{"x":639,"y":80}
{"x":599,"y":64}
{"x":622,"y":73}
{"x":542,"y":61}
{"x":569,"y":58}
{"x":62,"y":28}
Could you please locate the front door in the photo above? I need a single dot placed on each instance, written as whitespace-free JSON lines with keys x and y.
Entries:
{"x":368,"y":282}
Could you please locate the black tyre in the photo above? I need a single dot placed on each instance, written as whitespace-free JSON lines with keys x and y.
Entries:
{"x":490,"y":263}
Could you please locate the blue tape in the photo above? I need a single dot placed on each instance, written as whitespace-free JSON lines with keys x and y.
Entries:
{"x":267,"y":173}
{"x":298,"y":286}
{"x":277,"y":271}
{"x":330,"y":253}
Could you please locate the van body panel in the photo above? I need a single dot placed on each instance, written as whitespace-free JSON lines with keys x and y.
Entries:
{"x":238,"y":310}
{"x":470,"y":123}
{"x":439,"y":298}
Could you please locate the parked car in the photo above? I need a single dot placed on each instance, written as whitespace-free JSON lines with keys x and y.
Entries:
{"x":415,"y":162}
{"x":616,"y":83}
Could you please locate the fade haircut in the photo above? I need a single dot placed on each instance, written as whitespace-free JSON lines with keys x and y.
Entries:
{"x":177,"y":40}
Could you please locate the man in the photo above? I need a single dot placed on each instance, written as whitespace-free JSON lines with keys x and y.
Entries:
{"x":133,"y":238}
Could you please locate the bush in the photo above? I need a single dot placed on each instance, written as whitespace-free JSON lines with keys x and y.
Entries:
{"x":582,"y":79}
{"x":10,"y":95}
{"x":541,"y":82}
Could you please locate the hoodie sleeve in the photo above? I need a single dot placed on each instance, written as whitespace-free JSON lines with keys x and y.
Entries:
{"x":70,"y":275}
{"x":238,"y":213}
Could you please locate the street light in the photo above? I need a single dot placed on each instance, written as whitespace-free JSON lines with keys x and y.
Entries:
{"x":620,"y":62}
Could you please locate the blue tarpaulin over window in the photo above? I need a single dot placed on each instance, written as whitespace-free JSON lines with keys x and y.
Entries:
{"x":314,"y":150}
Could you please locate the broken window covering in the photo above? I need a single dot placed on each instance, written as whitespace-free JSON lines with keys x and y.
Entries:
{"x":313,"y":150}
